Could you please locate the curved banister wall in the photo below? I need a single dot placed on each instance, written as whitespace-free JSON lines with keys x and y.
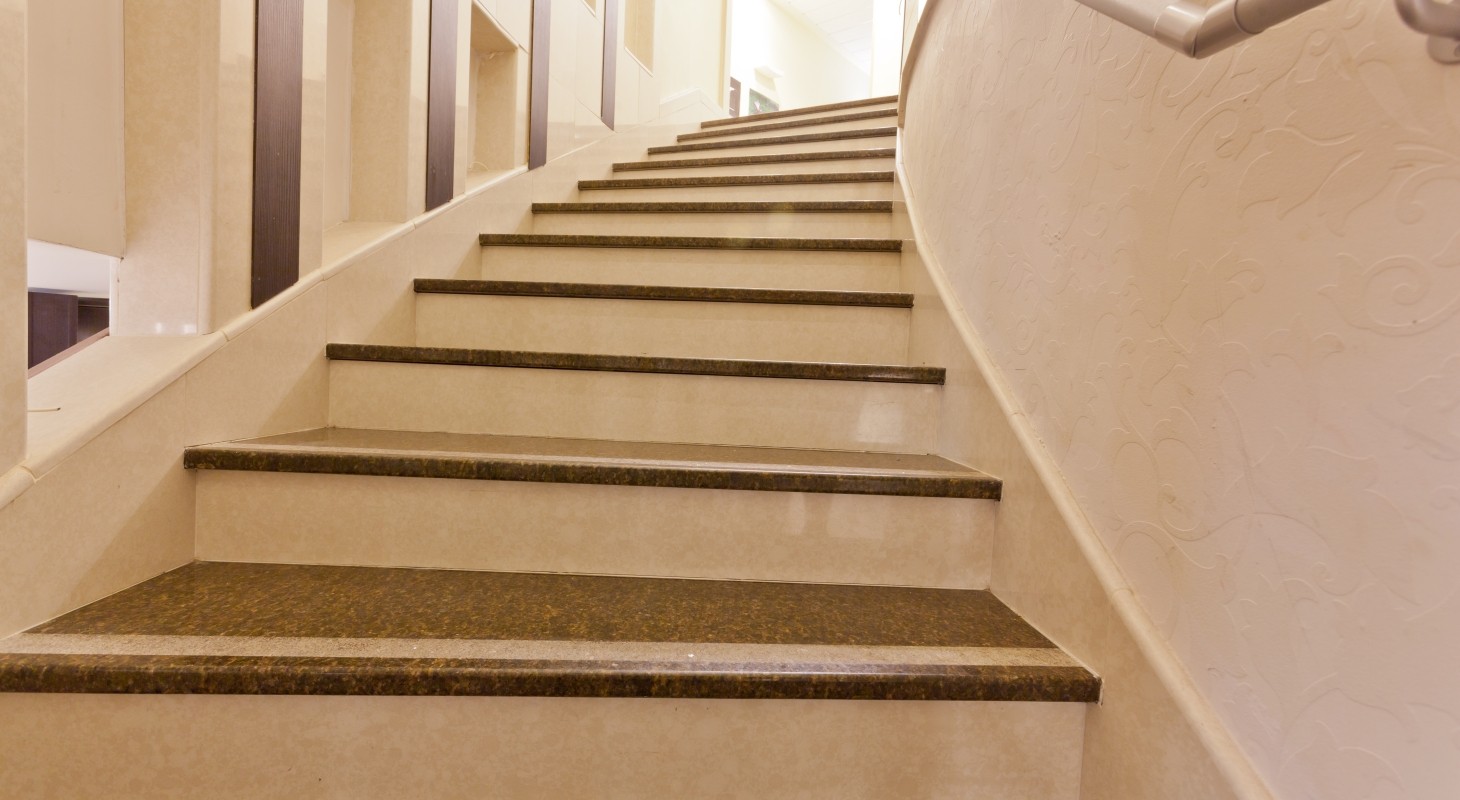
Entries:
{"x":1223,"y":298}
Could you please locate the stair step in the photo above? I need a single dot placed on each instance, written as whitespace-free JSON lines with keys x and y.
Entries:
{"x":703,"y":294}
{"x":720,"y":367}
{"x":516,"y":503}
{"x":858,"y":119}
{"x":756,"y":164}
{"x":228,"y":628}
{"x":777,"y":141}
{"x":580,"y":395}
{"x":849,"y":245}
{"x":739,"y":180}
{"x":797,"y":112}
{"x":747,"y":207}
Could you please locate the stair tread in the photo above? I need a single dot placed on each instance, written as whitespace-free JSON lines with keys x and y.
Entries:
{"x":768,"y":158}
{"x":718,"y":207}
{"x":703,"y":294}
{"x":286,"y":629}
{"x":740,"y":180}
{"x":752,"y":127}
{"x":793,"y":112}
{"x":689,"y":242}
{"x":722,"y":367}
{"x":800,"y":138}
{"x":469,"y":456}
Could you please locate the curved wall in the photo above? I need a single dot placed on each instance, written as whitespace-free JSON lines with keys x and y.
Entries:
{"x":1226,"y":296}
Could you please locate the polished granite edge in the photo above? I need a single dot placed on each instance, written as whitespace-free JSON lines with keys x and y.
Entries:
{"x":769,"y":158}
{"x":837,"y":119}
{"x":113,"y":674}
{"x":498,"y":468}
{"x":803,"y":370}
{"x":689,"y":242}
{"x":794,"y":112}
{"x":703,"y":294}
{"x":719,"y":207}
{"x":739,"y":180}
{"x":800,"y":138}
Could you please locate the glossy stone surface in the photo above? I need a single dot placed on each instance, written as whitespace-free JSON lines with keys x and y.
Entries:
{"x":690,"y":242}
{"x":704,"y":294}
{"x":739,"y":180}
{"x":881,"y":113}
{"x":800,"y":138}
{"x":717,"y":207}
{"x":795,"y":112}
{"x":769,"y":158}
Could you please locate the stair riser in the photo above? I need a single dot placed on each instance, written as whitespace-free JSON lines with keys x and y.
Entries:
{"x":732,"y":194}
{"x":664,"y":328}
{"x":89,"y":746}
{"x":805,"y":224}
{"x":786,"y":168}
{"x":860,"y":272}
{"x":749,"y":120}
{"x":753,"y":148}
{"x":587,"y":404}
{"x":738,"y":131}
{"x":615,"y":530}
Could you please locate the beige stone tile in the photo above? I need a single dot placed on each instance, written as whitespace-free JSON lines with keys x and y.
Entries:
{"x":116,"y":512}
{"x":775,"y":412}
{"x":732,"y":194}
{"x":780,"y":168}
{"x":81,"y":746}
{"x":272,"y":378}
{"x":664,"y":328}
{"x":804,"y":224}
{"x":620,"y":530}
{"x":753,"y":149}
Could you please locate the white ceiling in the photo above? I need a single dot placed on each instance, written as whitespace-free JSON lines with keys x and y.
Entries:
{"x":846,"y":23}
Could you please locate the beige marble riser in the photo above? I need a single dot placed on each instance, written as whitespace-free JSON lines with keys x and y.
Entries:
{"x":875,"y":225}
{"x":867,"y":190}
{"x":630,"y":406}
{"x":754,"y":146}
{"x":613,"y":530}
{"x":87,"y":746}
{"x":862,"y":272}
{"x":779,"y":332}
{"x":692,"y":170}
{"x":845,"y":121}
{"x":806,"y":112}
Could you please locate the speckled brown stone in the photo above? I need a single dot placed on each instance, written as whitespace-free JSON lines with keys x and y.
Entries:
{"x":698,"y":294}
{"x":271,"y":602}
{"x":721,"y":207}
{"x":412,"y":454}
{"x":690,"y":242}
{"x":739,"y":180}
{"x":796,"y":112}
{"x":800,"y":138}
{"x":724,"y":367}
{"x":768,"y":158}
{"x":748,"y":127}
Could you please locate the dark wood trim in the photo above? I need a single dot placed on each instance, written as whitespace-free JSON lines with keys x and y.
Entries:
{"x":278,"y":120}
{"x":610,"y":63}
{"x":51,"y":324}
{"x":542,"y":14}
{"x":441,"y":105}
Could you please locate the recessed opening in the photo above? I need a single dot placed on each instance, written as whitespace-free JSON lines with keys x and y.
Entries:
{"x":497,"y":117}
{"x":639,"y":31}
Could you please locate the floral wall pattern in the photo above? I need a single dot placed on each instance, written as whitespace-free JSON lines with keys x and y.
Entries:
{"x":1227,"y":293}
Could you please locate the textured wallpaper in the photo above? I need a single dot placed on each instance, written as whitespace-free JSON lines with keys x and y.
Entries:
{"x":1227,"y":293}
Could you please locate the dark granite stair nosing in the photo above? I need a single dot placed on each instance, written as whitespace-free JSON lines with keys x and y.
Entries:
{"x":859,"y":116}
{"x":794,"y":112}
{"x":766,"y":158}
{"x":690,"y":242}
{"x":716,"y":181}
{"x":769,"y":141}
{"x":419,"y":677}
{"x":699,"y":294}
{"x":720,"y":207}
{"x":732,"y":368}
{"x":522,"y":469}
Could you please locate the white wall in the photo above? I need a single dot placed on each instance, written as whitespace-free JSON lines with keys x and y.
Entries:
{"x":1226,"y":296}
{"x":690,"y":40}
{"x":762,"y":33}
{"x":75,"y":160}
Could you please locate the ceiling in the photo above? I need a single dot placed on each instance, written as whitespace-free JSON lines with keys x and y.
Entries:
{"x":846,"y":23}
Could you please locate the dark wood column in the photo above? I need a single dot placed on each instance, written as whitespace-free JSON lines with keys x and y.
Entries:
{"x":538,"y":103}
{"x":278,"y":112}
{"x":441,"y":105}
{"x":610,"y":62}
